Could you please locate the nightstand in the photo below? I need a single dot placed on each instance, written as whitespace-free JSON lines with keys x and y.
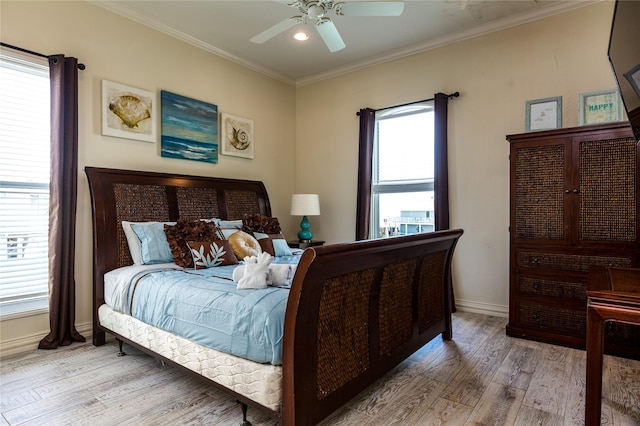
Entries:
{"x":298,"y":244}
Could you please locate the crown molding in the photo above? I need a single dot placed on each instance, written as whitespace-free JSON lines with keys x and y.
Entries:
{"x":497,"y":25}
{"x":163,"y":28}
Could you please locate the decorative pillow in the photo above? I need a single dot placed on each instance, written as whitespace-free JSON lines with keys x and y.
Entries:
{"x":244,"y":245}
{"x":258,"y":223}
{"x":274,"y":244}
{"x":229,"y":227}
{"x":154,"y":247}
{"x":135,"y":247}
{"x":281,"y":248}
{"x":189,"y":230}
{"x":207,"y":254}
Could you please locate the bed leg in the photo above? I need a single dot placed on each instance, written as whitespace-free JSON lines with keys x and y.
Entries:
{"x":120,"y":351}
{"x":245,"y":422}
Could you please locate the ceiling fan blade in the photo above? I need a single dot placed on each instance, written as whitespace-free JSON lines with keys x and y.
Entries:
{"x":330,"y":35}
{"x":276,"y":29}
{"x":370,"y":8}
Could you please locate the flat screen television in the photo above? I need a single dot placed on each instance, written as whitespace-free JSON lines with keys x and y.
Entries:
{"x":624,"y":56}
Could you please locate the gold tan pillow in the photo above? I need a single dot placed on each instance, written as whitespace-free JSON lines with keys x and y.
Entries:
{"x":207,"y":254}
{"x":244,"y":245}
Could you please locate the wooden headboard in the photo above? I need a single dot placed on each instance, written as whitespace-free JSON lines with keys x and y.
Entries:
{"x":138,"y":196}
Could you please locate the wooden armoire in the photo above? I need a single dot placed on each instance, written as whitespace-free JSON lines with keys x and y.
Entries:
{"x":574,"y":203}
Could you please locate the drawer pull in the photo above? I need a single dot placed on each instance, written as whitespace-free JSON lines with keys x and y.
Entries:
{"x":535,"y":261}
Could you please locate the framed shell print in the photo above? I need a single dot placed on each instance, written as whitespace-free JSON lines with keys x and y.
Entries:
{"x":128,"y":112}
{"x":236,"y":136}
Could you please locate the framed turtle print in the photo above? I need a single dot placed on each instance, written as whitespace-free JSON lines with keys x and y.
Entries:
{"x":128,"y":112}
{"x":236,"y":136}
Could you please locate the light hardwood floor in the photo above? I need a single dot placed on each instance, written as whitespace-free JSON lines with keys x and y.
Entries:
{"x":481,"y":377}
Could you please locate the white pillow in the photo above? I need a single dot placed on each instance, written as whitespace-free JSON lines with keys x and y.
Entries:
{"x":135,"y":245}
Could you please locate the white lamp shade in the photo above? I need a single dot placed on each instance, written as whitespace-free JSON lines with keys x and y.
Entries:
{"x":305,"y":205}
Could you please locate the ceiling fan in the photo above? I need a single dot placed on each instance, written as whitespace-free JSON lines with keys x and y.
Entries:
{"x":317,"y":10}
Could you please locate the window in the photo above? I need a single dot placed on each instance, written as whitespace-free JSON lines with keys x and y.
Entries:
{"x":24,"y":183}
{"x":402,"y":198}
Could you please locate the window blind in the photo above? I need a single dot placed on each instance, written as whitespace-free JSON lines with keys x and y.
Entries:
{"x":24,"y":182}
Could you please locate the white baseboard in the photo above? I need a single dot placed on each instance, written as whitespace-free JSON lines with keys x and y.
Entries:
{"x":482,"y":308}
{"x":29,"y":343}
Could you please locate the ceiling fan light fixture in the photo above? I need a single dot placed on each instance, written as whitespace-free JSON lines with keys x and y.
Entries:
{"x":301,"y":36}
{"x":315,"y":11}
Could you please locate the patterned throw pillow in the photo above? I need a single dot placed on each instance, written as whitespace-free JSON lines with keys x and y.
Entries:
{"x":208,"y":254}
{"x":258,"y":223}
{"x":189,"y":230}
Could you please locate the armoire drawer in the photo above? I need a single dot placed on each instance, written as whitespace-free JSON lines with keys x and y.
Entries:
{"x":568,"y":261}
{"x":559,"y":320}
{"x":527,"y":286}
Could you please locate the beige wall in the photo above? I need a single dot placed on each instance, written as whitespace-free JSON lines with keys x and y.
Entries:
{"x":315,"y":126}
{"x":119,"y":50}
{"x":495,"y":74}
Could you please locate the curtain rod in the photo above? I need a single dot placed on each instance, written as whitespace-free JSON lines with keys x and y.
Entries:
{"x":449,"y":96}
{"x":31,"y":52}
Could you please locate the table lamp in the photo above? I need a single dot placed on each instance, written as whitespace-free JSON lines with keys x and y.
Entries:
{"x":305,"y":205}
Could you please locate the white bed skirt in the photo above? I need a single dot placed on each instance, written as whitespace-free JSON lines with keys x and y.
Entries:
{"x":261,"y":383}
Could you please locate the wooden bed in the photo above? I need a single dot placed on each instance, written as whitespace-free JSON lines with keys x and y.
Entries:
{"x":355,"y":310}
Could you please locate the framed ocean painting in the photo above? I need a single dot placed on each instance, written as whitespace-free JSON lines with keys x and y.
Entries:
{"x":189,"y":128}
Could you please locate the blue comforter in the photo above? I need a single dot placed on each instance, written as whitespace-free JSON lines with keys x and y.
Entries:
{"x":204,"y":306}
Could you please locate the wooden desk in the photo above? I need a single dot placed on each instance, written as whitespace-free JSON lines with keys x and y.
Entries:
{"x":613,"y":294}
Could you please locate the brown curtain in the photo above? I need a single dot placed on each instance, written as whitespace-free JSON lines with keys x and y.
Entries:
{"x":63,"y":201}
{"x":441,"y":162}
{"x":365,"y":159}
{"x":441,"y":171}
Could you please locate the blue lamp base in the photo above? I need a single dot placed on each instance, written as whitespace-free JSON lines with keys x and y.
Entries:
{"x":305,"y":234}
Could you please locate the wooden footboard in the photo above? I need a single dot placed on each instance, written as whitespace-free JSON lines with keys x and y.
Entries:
{"x":355,"y":311}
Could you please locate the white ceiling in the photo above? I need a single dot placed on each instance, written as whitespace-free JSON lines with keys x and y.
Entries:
{"x":225,"y":27}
